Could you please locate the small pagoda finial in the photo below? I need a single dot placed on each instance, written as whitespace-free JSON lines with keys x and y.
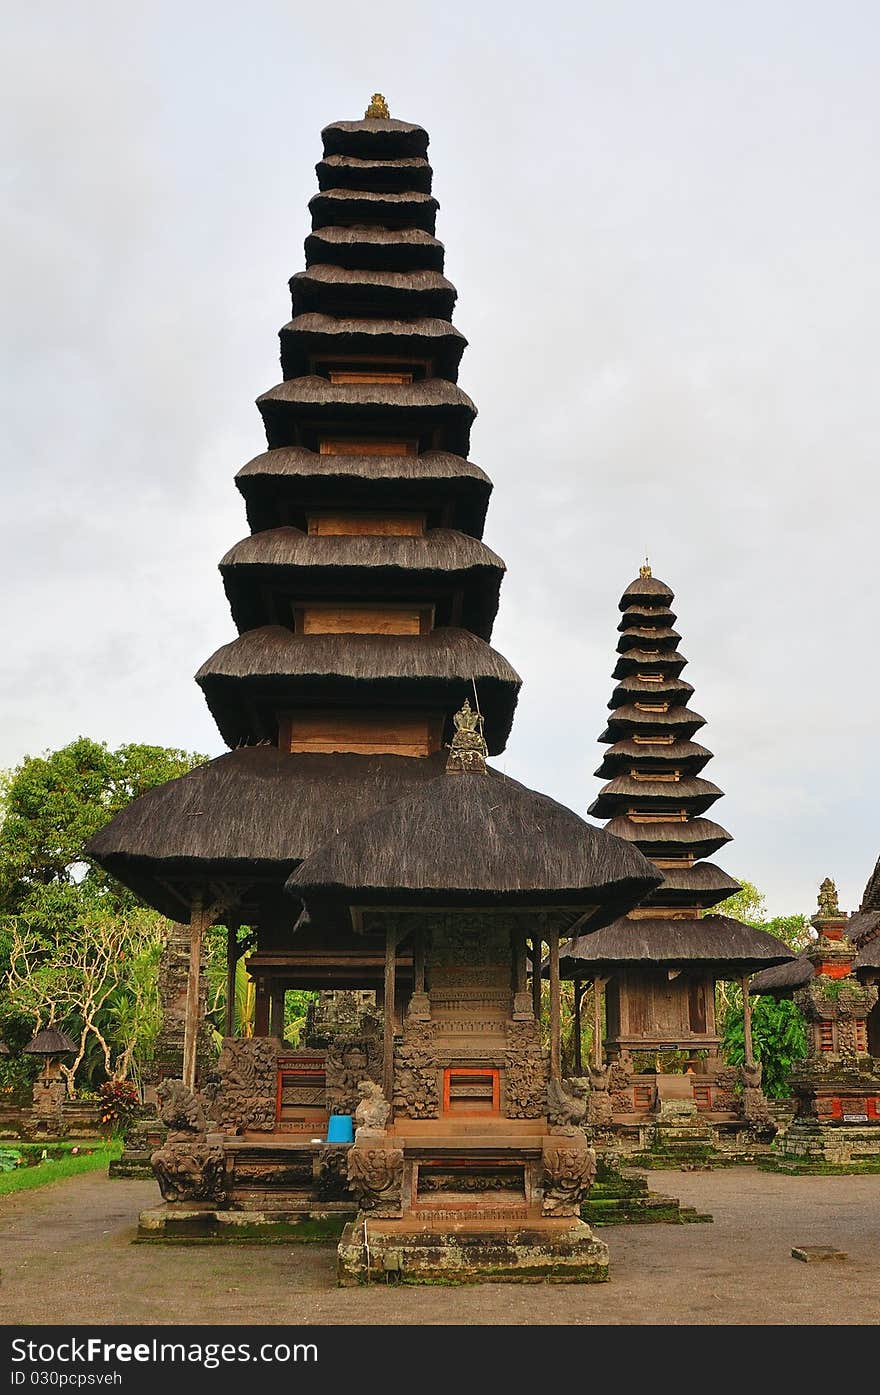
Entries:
{"x":828,"y":899}
{"x":468,"y":749}
{"x":645,"y":571}
{"x":378,"y":109}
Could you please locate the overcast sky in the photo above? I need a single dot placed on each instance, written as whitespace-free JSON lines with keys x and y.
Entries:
{"x":663,"y":223}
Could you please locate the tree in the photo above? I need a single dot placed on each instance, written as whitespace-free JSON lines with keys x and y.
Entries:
{"x":778,"y":1032}
{"x":99,"y":985}
{"x":58,"y":910}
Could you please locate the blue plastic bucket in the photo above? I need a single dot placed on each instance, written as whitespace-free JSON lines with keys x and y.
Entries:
{"x":339,"y":1129}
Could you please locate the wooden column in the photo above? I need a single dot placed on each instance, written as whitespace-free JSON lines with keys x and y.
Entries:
{"x":232,"y":957}
{"x":419,"y":961}
{"x":197,"y":925}
{"x":276,"y":1013}
{"x":555,"y":1024}
{"x":747,"y":1023}
{"x":598,"y":1053}
{"x":536,"y":977}
{"x":261,"y":1008}
{"x":578,"y":995}
{"x":388,"y":1007}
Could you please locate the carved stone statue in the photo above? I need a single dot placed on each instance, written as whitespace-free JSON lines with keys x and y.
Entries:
{"x":599,"y":1108}
{"x":569,"y":1171}
{"x":371,"y":1115}
{"x":375,"y":1176}
{"x":187,"y":1167}
{"x":828,"y":907}
{"x":468,"y":750}
{"x":567,"y":1105}
{"x":180,"y":1111}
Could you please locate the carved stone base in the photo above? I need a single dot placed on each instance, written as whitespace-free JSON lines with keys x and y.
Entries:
{"x":375,"y":1174}
{"x":569,"y":1168}
{"x":189,"y":1171}
{"x":810,"y":1146}
{"x":532,"y":1253}
{"x":196,"y":1223}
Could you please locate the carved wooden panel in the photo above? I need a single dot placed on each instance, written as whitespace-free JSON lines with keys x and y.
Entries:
{"x":385,"y":732}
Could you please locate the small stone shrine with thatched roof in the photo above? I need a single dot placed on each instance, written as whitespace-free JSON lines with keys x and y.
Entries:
{"x":657,"y":966}
{"x":355,"y":826}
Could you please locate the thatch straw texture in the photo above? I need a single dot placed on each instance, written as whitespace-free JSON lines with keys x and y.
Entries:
{"x":341,"y":336}
{"x":782,"y":980}
{"x":383,"y":248}
{"x":375,"y":138}
{"x":380,"y":176}
{"x":669,"y":662}
{"x":50,"y":1042}
{"x":312,"y":391}
{"x":253,"y":812}
{"x":868,"y":957}
{"x":639,"y":637}
{"x":640,"y":615}
{"x":348,"y":206}
{"x":247,"y":682}
{"x":481,"y":839}
{"x":439,"y":550}
{"x":863,"y":925}
{"x":647,"y":588}
{"x":871,"y":896}
{"x":727,"y":944}
{"x":281,"y":486}
{"x":631,"y":690}
{"x":680,"y":755}
{"x":681,"y":720}
{"x":335,"y":289}
{"x":295,"y":462}
{"x":273,"y":651}
{"x":690,"y":793}
{"x":702,"y":880}
{"x":702,"y":835}
{"x":280,"y":560}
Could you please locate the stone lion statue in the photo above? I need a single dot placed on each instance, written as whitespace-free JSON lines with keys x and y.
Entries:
{"x":180,"y":1110}
{"x":371,"y":1115}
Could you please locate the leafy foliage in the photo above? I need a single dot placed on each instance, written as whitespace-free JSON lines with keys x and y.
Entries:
{"x":779,"y":1039}
{"x":76,"y":948}
{"x":778,"y":1032}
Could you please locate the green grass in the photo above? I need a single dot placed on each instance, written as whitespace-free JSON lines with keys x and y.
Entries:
{"x":56,"y":1169}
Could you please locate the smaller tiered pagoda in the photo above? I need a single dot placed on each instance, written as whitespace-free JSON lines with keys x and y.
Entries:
{"x":657,"y":966}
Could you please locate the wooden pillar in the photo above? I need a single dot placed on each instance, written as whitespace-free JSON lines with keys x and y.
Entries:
{"x":197,"y":923}
{"x":388,"y":1007}
{"x":232,"y":957}
{"x":536,"y":976}
{"x":747,"y":1023}
{"x":261,"y":1008}
{"x":276,"y":1012}
{"x":419,"y":961}
{"x":578,"y":995}
{"x":598,"y":1053}
{"x":555,"y":1023}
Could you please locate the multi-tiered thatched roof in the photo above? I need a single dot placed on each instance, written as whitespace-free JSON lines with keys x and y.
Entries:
{"x":655,"y":798}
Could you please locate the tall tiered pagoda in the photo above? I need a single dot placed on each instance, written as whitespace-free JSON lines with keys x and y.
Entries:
{"x":362,"y":677}
{"x":658,"y":965}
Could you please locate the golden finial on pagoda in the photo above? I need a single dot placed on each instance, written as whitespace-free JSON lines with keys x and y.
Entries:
{"x":645,"y":571}
{"x":468,"y":749}
{"x":378,"y":109}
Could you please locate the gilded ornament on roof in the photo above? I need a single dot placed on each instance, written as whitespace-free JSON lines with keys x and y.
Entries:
{"x":378,"y":109}
{"x":468,"y":749}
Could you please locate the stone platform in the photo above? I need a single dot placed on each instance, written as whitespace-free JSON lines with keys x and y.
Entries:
{"x":450,"y":1248}
{"x":184,"y":1222}
{"x":811,"y":1146}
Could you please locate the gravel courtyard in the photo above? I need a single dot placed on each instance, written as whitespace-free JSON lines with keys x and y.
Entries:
{"x":66,"y":1257}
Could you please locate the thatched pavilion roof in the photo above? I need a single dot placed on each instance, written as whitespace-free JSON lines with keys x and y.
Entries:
{"x":478,"y":840}
{"x":312,"y":333}
{"x":392,"y":175}
{"x":367,"y":245}
{"x":374,"y":137}
{"x":732,"y":948}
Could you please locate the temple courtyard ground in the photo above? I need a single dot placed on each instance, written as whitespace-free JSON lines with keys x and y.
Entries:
{"x":66,"y":1257}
